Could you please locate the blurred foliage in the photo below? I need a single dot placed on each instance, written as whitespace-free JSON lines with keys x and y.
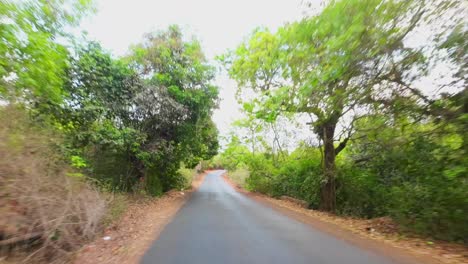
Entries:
{"x":141,"y":122}
{"x":188,"y":175}
{"x":239,"y":176}
{"x":415,"y":173}
{"x":41,"y":193}
{"x":117,"y":206}
{"x":337,"y":69}
{"x":32,"y":59}
{"x":385,"y":147}
{"x":128,"y":123}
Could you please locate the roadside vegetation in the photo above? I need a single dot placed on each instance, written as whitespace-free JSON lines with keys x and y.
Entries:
{"x":381,"y":86}
{"x":387,"y":124}
{"x":81,"y":129}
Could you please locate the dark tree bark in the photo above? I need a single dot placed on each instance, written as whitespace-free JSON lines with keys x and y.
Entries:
{"x":328,"y":188}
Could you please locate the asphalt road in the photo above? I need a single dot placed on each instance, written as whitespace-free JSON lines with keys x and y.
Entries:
{"x":220,"y":225}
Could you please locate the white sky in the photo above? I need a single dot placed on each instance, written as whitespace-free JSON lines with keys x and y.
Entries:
{"x":219,"y":24}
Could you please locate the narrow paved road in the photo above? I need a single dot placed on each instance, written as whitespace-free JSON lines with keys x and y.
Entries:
{"x":221,"y":226}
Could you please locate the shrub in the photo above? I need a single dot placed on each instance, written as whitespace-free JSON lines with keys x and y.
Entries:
{"x":40,"y":197}
{"x":117,"y":206}
{"x":239,"y":176}
{"x":416,"y":179}
{"x":188,"y":175}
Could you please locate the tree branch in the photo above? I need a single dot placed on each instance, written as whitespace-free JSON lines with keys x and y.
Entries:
{"x":341,"y":146}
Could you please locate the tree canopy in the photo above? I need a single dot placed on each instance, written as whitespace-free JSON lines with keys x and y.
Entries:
{"x":126,"y":121}
{"x":337,"y":69}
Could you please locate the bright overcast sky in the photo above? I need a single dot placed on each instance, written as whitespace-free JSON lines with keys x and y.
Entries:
{"x":219,"y":24}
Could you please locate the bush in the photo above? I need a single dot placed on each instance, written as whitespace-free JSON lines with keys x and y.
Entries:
{"x":117,"y":206}
{"x":360,"y":194}
{"x":438,"y":213}
{"x":419,"y":181}
{"x":188,"y":175}
{"x":239,"y":176}
{"x":414,"y":178}
{"x":41,"y":196}
{"x":299,"y":175}
{"x":153,"y":185}
{"x":262,"y":173}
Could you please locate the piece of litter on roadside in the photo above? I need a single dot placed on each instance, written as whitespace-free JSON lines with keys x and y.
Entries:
{"x":106,"y":238}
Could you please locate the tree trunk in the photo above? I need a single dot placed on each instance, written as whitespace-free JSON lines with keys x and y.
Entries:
{"x":327,"y":188}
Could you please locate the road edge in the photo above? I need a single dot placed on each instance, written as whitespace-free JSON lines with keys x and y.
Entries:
{"x":134,"y":234}
{"x":196,"y":183}
{"x":396,"y":254}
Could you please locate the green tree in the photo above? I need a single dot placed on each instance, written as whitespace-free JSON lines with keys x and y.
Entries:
{"x":176,"y":101}
{"x":135,"y":119}
{"x":253,"y":128}
{"x":32,"y":62}
{"x":336,"y":68}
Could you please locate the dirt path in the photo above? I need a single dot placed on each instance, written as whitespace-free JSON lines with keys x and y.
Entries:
{"x":127,"y":240}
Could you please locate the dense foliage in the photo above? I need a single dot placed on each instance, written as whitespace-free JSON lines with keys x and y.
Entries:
{"x":127,"y":122}
{"x":384,"y":145}
{"x":79,"y":125}
{"x":384,"y":142}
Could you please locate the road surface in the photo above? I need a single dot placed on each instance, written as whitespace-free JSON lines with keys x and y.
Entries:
{"x":221,"y":226}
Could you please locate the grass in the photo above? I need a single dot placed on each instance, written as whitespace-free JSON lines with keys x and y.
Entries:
{"x":189,"y":175}
{"x":115,"y":208}
{"x":239,"y":176}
